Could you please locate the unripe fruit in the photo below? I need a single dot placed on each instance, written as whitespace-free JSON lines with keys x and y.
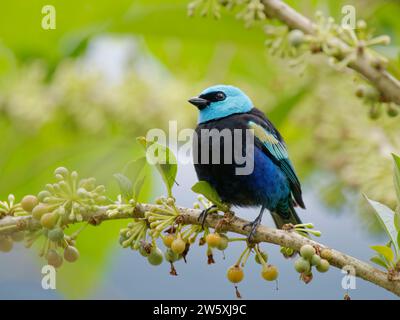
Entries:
{"x":315,"y":260}
{"x":235,"y":274}
{"x":296,"y":37}
{"x":178,"y":246}
{"x":392,"y":112}
{"x":171,"y":256}
{"x":168,"y":239}
{"x":143,"y":251}
{"x":18,"y":236}
{"x":213,"y":239}
{"x":39,"y":210}
{"x":54,"y":259}
{"x":323,"y":266}
{"x":302,"y":265}
{"x":307,"y":251}
{"x":155,"y":257}
{"x":224,"y":242}
{"x":49,"y":220}
{"x":6,"y":244}
{"x":264,"y":255}
{"x":56,"y":234}
{"x":71,"y":254}
{"x":269,"y":272}
{"x":360,"y":91}
{"x":29,"y":202}
{"x":326,"y":254}
{"x":43,"y":195}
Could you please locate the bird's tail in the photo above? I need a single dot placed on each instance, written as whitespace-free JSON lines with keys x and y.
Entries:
{"x":290,"y":216}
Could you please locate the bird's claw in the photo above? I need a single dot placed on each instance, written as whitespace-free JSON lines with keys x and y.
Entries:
{"x":203,"y":215}
{"x":253,"y":228}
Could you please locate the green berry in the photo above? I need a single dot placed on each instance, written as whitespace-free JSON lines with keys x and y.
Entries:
{"x":155,"y":257}
{"x":29,"y":202}
{"x":323,"y":266}
{"x":171,"y":256}
{"x":71,"y":254}
{"x":392,"y":112}
{"x":302,"y":265}
{"x":143,"y":251}
{"x":39,"y":211}
{"x":296,"y":37}
{"x":360,"y":91}
{"x":315,"y":260}
{"x":6,"y":244}
{"x":43,"y":195}
{"x":307,"y":251}
{"x":224,"y":242}
{"x":54,"y":259}
{"x":264,"y":255}
{"x":56,"y":234}
{"x":326,"y":254}
{"x":49,"y":220}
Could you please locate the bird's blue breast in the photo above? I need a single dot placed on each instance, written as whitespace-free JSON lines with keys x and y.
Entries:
{"x":267,"y":184}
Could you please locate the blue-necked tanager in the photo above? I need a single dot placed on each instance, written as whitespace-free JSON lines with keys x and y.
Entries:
{"x":272,"y":184}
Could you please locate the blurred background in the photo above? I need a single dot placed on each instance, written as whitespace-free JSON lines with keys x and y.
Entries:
{"x":78,"y":96}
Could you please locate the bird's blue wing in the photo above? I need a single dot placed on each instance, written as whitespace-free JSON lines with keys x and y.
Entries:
{"x":275,"y":147}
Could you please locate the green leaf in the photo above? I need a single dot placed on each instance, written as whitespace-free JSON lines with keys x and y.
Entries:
{"x":379,"y":261}
{"x":138,"y":187}
{"x":398,"y":239}
{"x":385,"y":251}
{"x":396,"y":177}
{"x":386,"y":217}
{"x":134,"y":168}
{"x":125,"y":185}
{"x":163,"y":159}
{"x":204,"y":188}
{"x":396,"y":219}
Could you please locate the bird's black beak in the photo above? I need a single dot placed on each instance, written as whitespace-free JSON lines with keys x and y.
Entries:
{"x":199,"y":102}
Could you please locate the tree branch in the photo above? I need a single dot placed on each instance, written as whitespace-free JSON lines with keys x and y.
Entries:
{"x":234,"y":224}
{"x":387,"y":84}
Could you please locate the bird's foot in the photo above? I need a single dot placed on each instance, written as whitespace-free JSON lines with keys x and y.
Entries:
{"x":203,"y":215}
{"x":253,"y":228}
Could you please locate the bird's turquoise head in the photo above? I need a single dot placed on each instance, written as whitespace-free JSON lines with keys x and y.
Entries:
{"x":221,"y":101}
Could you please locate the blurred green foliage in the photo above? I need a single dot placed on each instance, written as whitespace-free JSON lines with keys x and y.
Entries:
{"x":61,"y":105}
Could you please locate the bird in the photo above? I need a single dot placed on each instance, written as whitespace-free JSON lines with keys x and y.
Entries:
{"x":271,"y":185}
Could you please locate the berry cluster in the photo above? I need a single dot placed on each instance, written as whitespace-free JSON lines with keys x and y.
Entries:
{"x":309,"y":258}
{"x":235,"y":273}
{"x":68,"y":200}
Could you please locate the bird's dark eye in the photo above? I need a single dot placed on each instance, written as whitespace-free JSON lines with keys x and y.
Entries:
{"x":219,"y":96}
{"x":213,"y":96}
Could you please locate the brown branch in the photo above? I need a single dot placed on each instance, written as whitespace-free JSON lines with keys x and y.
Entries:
{"x":190,"y":216}
{"x":387,"y":84}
